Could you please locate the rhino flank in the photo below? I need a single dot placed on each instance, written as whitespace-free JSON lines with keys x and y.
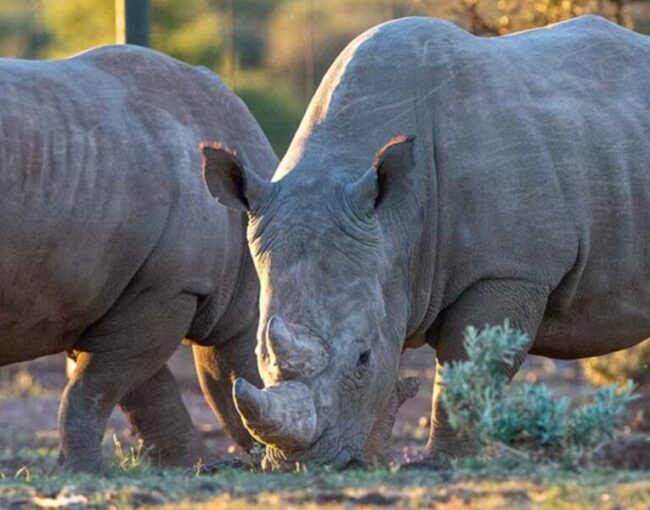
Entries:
{"x":440,"y":180}
{"x":114,"y":250}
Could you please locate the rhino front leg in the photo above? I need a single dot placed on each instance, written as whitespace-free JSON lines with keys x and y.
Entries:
{"x":117,"y":355}
{"x":377,"y":448}
{"x":486,"y":302}
{"x":160,"y":418}
{"x":217,"y":367}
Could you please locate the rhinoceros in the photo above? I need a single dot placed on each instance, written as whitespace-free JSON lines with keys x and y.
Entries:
{"x":112,"y":247}
{"x":440,"y":180}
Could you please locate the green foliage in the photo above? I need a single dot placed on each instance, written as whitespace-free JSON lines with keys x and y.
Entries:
{"x":273,"y":105}
{"x":251,"y":20}
{"x":589,"y":425}
{"x":21,"y":33}
{"x":529,"y":413}
{"x":76,"y":25}
{"x":191,"y":31}
{"x":306,"y":36}
{"x":474,"y":386}
{"x":478,"y":402}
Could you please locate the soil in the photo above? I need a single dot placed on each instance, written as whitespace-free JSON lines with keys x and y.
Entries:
{"x":30,"y":393}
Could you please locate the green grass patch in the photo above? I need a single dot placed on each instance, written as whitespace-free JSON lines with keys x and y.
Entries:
{"x":475,"y":483}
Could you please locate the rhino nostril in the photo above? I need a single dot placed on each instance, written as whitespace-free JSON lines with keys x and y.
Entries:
{"x":364,"y":359}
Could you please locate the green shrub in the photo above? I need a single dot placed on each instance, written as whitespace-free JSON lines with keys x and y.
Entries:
{"x":478,"y":401}
{"x":590,"y":424}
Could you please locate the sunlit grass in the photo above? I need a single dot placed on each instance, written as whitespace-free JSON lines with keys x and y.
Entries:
{"x":477,"y":483}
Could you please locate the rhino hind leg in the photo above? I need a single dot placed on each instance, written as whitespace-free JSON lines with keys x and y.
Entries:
{"x":486,"y":302}
{"x":116,"y":356}
{"x":156,"y":411}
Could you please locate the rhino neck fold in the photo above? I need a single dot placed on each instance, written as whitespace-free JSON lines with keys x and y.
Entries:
{"x":233,"y":304}
{"x":242,"y":310}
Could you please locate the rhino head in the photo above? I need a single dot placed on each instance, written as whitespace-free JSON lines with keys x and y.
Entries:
{"x":328,"y":351}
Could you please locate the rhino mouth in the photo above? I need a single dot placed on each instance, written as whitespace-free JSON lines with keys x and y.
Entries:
{"x":321,"y":454}
{"x":284,"y":413}
{"x":335,"y":448}
{"x":283,"y":418}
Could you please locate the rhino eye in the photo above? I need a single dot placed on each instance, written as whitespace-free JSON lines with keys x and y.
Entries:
{"x":364,"y":358}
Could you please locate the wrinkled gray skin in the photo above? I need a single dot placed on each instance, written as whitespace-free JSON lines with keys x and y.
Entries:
{"x":523,"y":195}
{"x":114,"y":249}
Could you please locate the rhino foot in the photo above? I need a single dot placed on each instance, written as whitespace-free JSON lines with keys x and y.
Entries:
{"x":217,"y":465}
{"x":91,"y":464}
{"x":441,"y":463}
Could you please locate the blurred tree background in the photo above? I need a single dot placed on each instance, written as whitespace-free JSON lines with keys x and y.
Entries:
{"x":274,"y":52}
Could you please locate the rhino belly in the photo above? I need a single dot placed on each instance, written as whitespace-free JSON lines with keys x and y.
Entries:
{"x":47,"y":302}
{"x":595,"y":325}
{"x":58,"y":276}
{"x":23,"y":337}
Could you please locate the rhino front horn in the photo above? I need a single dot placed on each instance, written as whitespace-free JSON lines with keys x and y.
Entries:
{"x":282,"y":416}
{"x":293,"y":354}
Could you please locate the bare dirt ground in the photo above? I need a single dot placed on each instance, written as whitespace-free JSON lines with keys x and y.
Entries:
{"x":30,"y":394}
{"x":29,"y":397}
{"x":29,"y":400}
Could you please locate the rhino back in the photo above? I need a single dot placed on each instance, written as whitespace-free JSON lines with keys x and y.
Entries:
{"x":101,"y":191}
{"x":543,"y":175}
{"x":532,"y":155}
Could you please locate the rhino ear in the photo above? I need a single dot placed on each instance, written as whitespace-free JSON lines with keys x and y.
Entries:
{"x":392,"y":162}
{"x":388,"y":175}
{"x":227,"y":179}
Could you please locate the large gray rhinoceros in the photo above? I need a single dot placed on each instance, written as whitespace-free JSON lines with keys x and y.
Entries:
{"x":441,"y":180}
{"x":113,"y":248}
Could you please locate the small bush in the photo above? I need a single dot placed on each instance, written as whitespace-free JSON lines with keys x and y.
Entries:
{"x":593,"y":423}
{"x":478,"y":402}
{"x":616,"y":368}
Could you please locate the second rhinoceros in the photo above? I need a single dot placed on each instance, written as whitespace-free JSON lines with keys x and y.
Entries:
{"x":441,"y":180}
{"x":112,"y":248}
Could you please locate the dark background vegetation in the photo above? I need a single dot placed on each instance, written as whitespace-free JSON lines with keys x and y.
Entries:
{"x":274,"y":52}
